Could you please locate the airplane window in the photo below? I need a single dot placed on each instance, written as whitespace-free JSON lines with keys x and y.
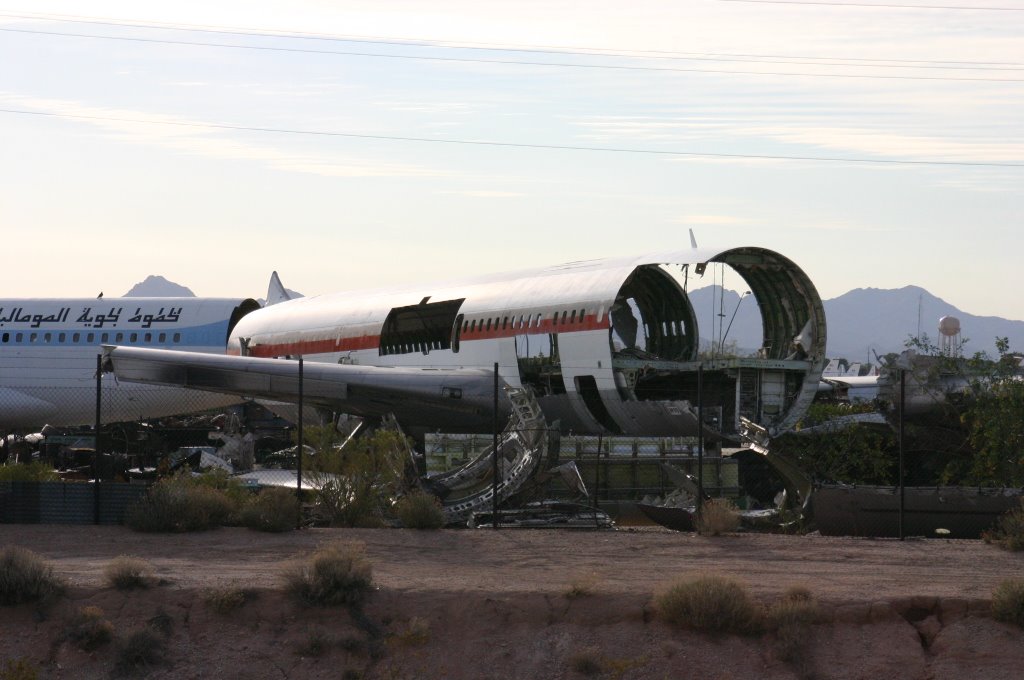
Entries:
{"x":488,"y":324}
{"x":465,"y":326}
{"x":134,"y":337}
{"x":572,"y":319}
{"x":62,"y":337}
{"x":554,"y":318}
{"x":521,"y":321}
{"x":504,"y":323}
{"x":583,"y":313}
{"x":119,"y":337}
{"x":105,"y":337}
{"x":47,"y":337}
{"x":162,"y":337}
{"x":563,"y":316}
{"x":17,"y":338}
{"x":90,"y":337}
{"x":76,"y":337}
{"x":177,"y":337}
{"x":32,"y":337}
{"x":7,"y":337}
{"x":472,"y":326}
{"x":537,"y":324}
{"x":149,"y":337}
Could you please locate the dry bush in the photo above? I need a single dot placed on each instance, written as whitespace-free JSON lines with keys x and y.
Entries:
{"x":416,"y":632}
{"x":334,"y":574}
{"x":710,"y":604}
{"x":587,"y":661}
{"x":717,"y":516}
{"x":125,"y":572}
{"x":274,"y":509}
{"x":420,"y":510}
{"x":25,"y":577}
{"x":1008,"y":602}
{"x":316,"y":644}
{"x":1009,"y":530}
{"x":88,"y":630}
{"x":790,"y":620}
{"x":581,"y":586}
{"x":19,"y":669}
{"x":179,"y":504}
{"x":226,"y":599}
{"x":140,"y":651}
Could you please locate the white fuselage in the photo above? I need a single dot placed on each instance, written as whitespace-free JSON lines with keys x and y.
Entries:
{"x":48,"y":350}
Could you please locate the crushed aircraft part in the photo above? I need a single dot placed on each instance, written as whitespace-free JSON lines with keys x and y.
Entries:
{"x":797,"y":484}
{"x":932,"y":512}
{"x":547,"y":514}
{"x":521,"y":447}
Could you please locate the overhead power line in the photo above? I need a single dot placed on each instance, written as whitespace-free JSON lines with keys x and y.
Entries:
{"x":471,"y":60}
{"x":518,"y":145}
{"x":970,"y":8}
{"x":503,"y":47}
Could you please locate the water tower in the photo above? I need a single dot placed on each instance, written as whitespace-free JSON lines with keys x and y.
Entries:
{"x":949,"y":336}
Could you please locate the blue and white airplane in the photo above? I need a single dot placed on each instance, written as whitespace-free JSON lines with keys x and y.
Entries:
{"x":49,"y":348}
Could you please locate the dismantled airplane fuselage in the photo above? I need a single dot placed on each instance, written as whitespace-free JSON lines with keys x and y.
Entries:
{"x":607,"y":346}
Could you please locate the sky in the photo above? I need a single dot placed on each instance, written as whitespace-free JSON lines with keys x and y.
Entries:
{"x":367,"y":143}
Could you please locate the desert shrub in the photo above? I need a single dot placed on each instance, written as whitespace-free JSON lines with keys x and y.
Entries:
{"x":716,"y":517}
{"x":581,"y":586}
{"x":316,"y":644}
{"x":1008,"y":601}
{"x":179,"y":504}
{"x":710,"y":604}
{"x":126,"y":573}
{"x":19,"y":669}
{"x":25,"y":577}
{"x":226,"y":599}
{"x":141,"y":650}
{"x":30,"y":472}
{"x":587,"y":661}
{"x":1009,"y":530}
{"x":415,"y":633}
{"x":274,"y":509}
{"x":357,"y":483}
{"x":88,"y":630}
{"x":790,"y":619}
{"x":420,"y":510}
{"x":334,"y":574}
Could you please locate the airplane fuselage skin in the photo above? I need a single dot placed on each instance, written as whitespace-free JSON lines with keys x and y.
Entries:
{"x":48,"y":350}
{"x":608,"y":346}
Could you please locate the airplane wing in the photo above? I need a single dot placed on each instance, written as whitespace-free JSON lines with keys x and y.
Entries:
{"x":455,"y":397}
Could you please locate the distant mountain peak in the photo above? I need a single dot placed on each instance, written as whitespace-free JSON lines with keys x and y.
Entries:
{"x":158,"y":286}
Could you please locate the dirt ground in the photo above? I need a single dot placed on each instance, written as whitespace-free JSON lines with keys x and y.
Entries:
{"x":496,"y":604}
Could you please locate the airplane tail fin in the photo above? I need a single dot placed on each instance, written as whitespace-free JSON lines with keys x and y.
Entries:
{"x":693,"y":240}
{"x":276,"y":291}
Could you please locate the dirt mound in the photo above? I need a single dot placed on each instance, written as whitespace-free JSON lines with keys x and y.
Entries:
{"x":513,"y":604}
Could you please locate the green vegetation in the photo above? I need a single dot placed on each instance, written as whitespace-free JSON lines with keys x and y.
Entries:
{"x":25,"y":577}
{"x":31,"y":472}
{"x":710,"y":604}
{"x":128,"y":573}
{"x":1009,"y":530}
{"x":717,"y":516}
{"x":182,"y":503}
{"x":273,"y":509}
{"x":1008,"y":602}
{"x":357,"y":483}
{"x":420,"y":510}
{"x":335,"y":574}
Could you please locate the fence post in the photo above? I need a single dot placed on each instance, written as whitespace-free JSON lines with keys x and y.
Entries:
{"x":96,"y":444}
{"x":298,"y":490}
{"x":494,"y":449}
{"x":700,"y":438}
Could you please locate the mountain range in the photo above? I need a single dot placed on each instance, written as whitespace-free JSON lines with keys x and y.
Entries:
{"x":861,"y":322}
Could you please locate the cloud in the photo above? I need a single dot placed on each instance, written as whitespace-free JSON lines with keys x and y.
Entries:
{"x":193,"y":137}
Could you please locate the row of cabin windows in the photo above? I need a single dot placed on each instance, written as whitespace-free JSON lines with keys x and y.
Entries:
{"x":524,"y":321}
{"x":89,"y":338}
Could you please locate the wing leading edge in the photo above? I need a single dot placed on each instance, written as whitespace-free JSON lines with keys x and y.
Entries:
{"x":456,"y":397}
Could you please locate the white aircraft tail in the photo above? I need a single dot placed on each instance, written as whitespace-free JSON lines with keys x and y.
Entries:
{"x":276,"y":291}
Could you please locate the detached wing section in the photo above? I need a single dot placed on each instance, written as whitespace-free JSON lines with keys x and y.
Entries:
{"x":457,"y":397}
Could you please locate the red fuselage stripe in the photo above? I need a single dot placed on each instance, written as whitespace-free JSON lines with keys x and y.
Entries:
{"x":480,"y":332}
